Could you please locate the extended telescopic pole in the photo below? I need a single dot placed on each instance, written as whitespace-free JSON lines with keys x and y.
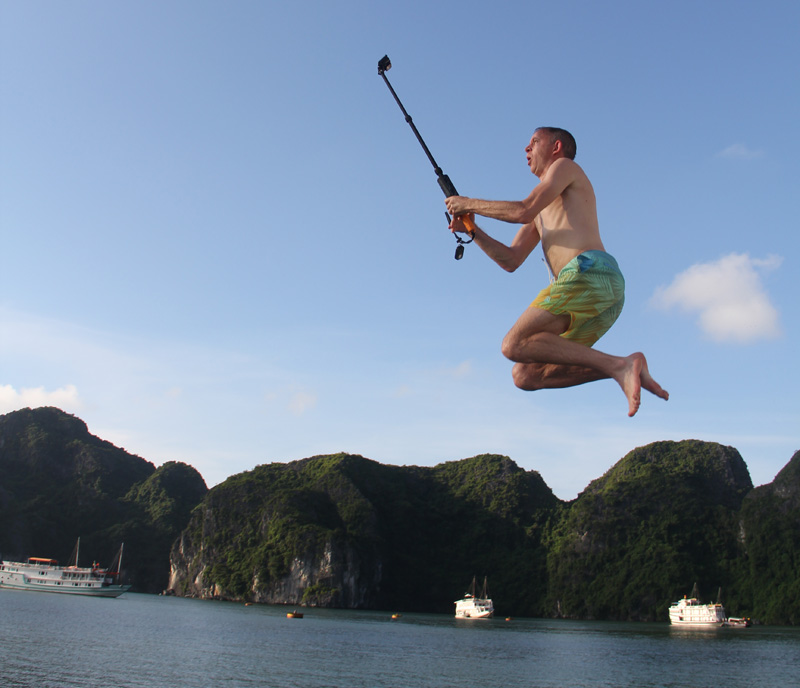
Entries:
{"x":447,"y":186}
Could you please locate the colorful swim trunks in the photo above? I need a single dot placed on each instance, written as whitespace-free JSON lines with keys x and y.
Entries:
{"x":591,"y":290}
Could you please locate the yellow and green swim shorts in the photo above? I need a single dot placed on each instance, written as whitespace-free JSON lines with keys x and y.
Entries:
{"x":591,"y":290}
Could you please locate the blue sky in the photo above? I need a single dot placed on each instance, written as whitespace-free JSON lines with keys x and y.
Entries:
{"x":221,"y":243}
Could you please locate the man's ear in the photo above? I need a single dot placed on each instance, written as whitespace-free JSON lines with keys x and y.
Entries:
{"x":558,"y":146}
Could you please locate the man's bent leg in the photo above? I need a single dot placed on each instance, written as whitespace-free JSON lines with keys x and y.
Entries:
{"x":572,"y":361}
{"x":534,"y":339}
{"x":531,"y":376}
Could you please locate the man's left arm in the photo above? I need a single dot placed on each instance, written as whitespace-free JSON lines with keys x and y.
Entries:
{"x":507,"y":257}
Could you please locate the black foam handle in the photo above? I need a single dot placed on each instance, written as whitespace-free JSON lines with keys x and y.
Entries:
{"x":447,"y":186}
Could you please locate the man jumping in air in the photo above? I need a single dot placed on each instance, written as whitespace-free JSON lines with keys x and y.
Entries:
{"x":551,"y":342}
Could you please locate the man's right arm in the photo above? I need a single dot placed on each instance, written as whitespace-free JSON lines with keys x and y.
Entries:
{"x":560,"y":175}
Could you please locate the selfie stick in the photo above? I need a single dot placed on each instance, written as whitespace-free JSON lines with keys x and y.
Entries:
{"x":384,"y":65}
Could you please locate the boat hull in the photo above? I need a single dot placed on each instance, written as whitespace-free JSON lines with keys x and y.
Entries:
{"x":103,"y":591}
{"x":698,"y":624}
{"x":474,"y":615}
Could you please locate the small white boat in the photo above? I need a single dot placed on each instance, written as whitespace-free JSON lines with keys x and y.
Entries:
{"x":474,"y":607}
{"x":45,"y":575}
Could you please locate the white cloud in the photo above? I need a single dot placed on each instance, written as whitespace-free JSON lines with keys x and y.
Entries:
{"x":402,"y":391}
{"x":462,"y":370}
{"x":65,"y":398}
{"x":173,"y":393}
{"x":293,"y":398}
{"x":729,"y":297}
{"x":740,"y":152}
{"x":302,"y":401}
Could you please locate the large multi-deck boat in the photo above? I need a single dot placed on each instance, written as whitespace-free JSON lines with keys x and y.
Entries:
{"x":474,"y":607}
{"x":45,"y":575}
{"x":691,"y":612}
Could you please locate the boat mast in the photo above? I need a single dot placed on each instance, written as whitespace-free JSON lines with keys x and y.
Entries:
{"x":73,"y":559}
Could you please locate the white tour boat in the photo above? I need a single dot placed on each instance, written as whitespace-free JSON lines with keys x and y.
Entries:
{"x":474,"y":607}
{"x":690,"y":612}
{"x":45,"y":575}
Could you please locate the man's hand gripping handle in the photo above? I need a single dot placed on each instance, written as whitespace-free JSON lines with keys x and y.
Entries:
{"x":450,"y":190}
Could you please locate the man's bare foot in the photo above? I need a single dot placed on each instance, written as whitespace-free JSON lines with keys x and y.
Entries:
{"x":629,"y":378}
{"x":648,"y":382}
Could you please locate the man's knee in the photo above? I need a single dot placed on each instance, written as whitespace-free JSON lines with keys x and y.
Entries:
{"x":510,"y":347}
{"x":507,"y":347}
{"x":513,"y":346}
{"x":528,"y":376}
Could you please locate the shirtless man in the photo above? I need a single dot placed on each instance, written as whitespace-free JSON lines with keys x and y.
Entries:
{"x":551,"y":342}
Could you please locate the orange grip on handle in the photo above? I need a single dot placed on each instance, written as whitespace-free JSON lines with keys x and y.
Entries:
{"x":469,"y":222}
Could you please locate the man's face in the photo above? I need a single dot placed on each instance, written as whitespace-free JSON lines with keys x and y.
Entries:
{"x":538,"y":152}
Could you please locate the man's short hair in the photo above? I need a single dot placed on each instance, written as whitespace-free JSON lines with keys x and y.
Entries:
{"x":568,"y":144}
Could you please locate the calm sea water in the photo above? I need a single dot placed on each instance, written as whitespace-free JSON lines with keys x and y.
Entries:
{"x":49,"y":640}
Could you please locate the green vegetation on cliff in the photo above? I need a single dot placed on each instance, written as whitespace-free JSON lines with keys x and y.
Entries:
{"x":408,"y":537}
{"x":256,"y":523}
{"x":664,"y":517}
{"x":771,"y":528}
{"x":635,"y":540}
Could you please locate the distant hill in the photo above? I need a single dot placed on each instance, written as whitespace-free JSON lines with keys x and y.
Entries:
{"x":58,"y":482}
{"x":770,"y":530}
{"x":665,"y":516}
{"x":346,"y":531}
